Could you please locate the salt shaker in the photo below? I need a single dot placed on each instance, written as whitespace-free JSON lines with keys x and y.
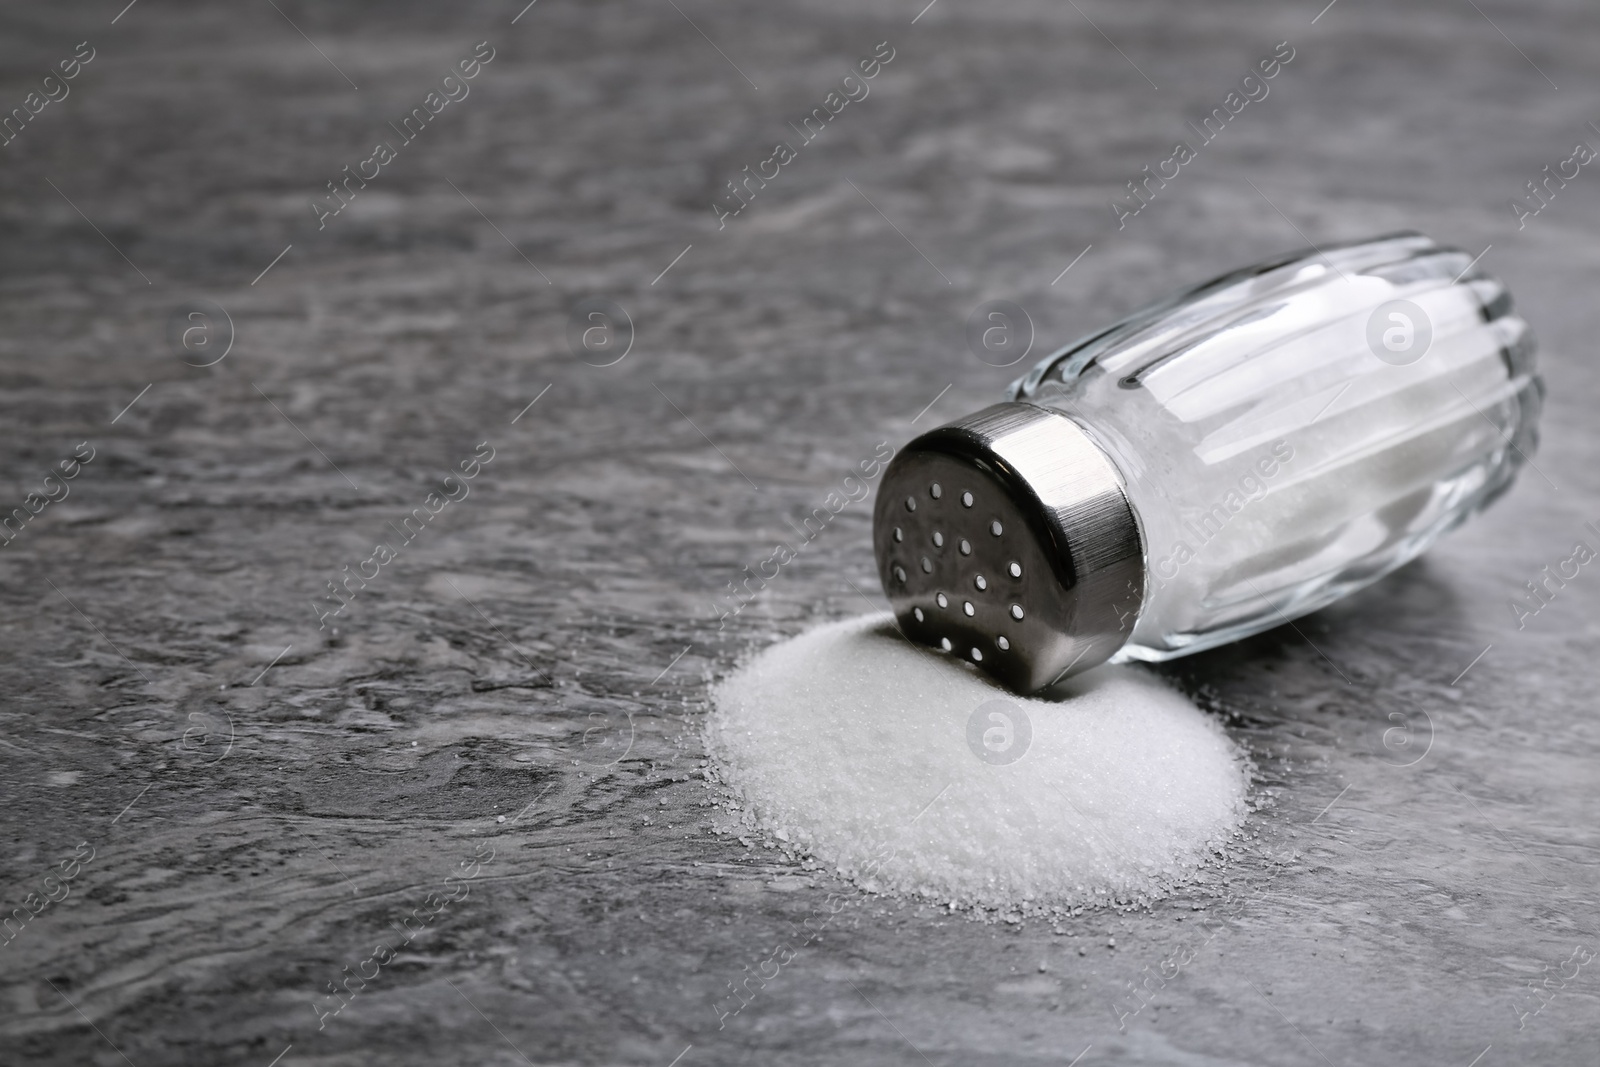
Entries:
{"x":1213,"y":465}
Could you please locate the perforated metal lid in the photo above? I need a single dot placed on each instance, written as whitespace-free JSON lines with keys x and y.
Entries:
{"x":1006,"y":538}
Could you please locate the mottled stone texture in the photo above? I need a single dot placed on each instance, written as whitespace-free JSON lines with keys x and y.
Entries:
{"x":500,"y":665}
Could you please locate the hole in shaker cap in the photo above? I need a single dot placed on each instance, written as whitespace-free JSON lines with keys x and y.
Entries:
{"x":899,"y":534}
{"x":911,"y":503}
{"x":1003,"y":643}
{"x":1016,"y":612}
{"x":942,"y":602}
{"x":918,"y":613}
{"x":935,"y":491}
{"x":977,"y":654}
{"x":900,"y":575}
{"x":966,"y":547}
{"x":980,"y":583}
{"x":995,"y":528}
{"x":966,"y":606}
{"x":938,"y":539}
{"x":1015,"y":568}
{"x":966,"y":500}
{"x":944,"y":643}
{"x":927,"y":565}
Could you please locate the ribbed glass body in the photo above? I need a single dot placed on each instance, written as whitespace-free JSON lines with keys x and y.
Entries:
{"x":1294,"y":431}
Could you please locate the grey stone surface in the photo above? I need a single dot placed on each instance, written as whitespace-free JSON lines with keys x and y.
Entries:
{"x":506,"y":664}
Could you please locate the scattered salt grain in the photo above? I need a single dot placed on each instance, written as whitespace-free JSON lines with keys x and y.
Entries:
{"x":911,"y":773}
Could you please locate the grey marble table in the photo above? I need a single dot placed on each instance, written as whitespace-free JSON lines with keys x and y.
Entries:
{"x":476,"y":799}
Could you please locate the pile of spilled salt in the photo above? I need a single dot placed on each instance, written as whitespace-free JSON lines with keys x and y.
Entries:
{"x":913,"y":774}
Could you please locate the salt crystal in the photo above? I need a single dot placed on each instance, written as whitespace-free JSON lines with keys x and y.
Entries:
{"x":911,"y":773}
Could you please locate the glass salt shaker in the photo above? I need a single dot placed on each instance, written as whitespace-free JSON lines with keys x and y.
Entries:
{"x":1213,"y":465}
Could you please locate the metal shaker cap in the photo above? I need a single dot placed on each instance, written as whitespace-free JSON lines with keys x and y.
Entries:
{"x":1006,"y":538}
